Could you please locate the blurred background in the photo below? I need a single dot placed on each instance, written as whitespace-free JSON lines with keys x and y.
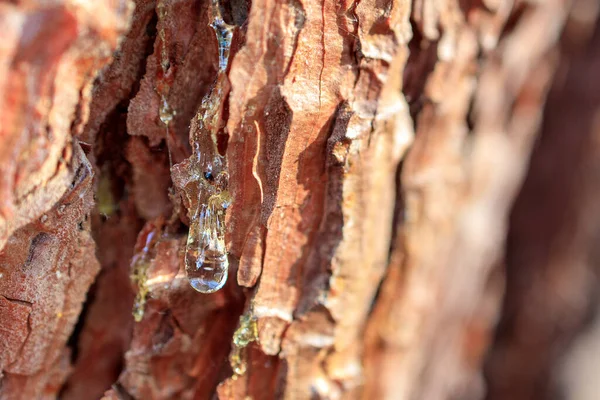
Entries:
{"x":415,"y":192}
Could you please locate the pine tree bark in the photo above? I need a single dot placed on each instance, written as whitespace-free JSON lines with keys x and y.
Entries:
{"x":374,"y":149}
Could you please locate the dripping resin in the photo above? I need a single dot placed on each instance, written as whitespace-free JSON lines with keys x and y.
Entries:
{"x":206,"y":260}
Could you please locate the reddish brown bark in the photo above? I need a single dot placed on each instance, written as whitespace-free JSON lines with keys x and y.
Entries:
{"x":375,"y":149}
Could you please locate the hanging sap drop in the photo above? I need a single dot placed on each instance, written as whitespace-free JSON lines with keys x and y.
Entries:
{"x":224,"y":33}
{"x":207,"y":275}
{"x":166,"y":113}
{"x":206,"y":261}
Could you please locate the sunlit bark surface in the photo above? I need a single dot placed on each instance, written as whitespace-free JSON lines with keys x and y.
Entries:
{"x":414,"y":197}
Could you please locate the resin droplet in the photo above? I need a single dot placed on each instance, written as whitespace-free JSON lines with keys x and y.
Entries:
{"x":139,"y":276}
{"x":206,"y":262}
{"x":224,"y":33}
{"x":162,"y":15}
{"x":246,"y":333}
{"x":206,"y":268}
{"x":165,"y":112}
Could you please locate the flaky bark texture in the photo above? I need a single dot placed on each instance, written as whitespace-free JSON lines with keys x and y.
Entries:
{"x":404,"y":200}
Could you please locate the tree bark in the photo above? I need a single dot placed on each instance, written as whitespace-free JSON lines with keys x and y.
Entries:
{"x":409,"y":218}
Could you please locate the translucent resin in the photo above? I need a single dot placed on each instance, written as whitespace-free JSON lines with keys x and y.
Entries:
{"x":206,"y":260}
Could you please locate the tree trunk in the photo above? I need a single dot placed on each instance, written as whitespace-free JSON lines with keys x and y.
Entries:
{"x":412,"y":192}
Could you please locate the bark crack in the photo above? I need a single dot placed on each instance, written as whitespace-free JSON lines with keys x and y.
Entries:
{"x":29,"y":305}
{"x":323,"y":50}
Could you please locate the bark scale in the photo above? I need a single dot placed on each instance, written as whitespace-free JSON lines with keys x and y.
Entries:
{"x":375,"y":150}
